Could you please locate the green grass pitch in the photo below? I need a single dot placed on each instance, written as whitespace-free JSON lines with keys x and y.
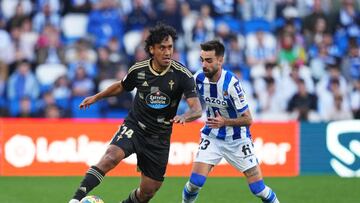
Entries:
{"x":302,"y":189}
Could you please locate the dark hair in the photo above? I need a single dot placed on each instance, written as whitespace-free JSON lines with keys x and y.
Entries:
{"x":213,"y":45}
{"x":158,"y":34}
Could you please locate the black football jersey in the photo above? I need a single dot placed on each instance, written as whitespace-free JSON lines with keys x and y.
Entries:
{"x":158,"y":94}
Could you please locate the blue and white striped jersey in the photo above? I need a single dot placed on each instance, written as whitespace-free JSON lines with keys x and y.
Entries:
{"x":227,"y":97}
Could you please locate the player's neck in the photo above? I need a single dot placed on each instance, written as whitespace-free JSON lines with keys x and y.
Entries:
{"x":156,"y":67}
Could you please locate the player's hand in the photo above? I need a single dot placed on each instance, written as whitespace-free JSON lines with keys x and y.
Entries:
{"x":216,"y":122}
{"x":87,"y":102}
{"x":178,"y":119}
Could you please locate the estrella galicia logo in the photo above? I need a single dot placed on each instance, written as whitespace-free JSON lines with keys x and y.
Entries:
{"x":343,"y":142}
{"x":157,"y":100}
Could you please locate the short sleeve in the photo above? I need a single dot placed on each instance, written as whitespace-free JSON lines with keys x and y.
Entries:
{"x":189,"y":86}
{"x":129,"y":82}
{"x":238,"y":96}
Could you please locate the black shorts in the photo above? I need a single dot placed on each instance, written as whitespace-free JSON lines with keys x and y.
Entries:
{"x":152,"y":151}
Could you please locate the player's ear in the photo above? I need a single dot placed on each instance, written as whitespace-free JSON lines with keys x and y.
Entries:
{"x":151,"y":49}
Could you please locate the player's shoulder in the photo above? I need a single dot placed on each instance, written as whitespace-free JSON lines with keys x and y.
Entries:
{"x":180,"y":68}
{"x":199,"y":75}
{"x":139,"y":65}
{"x":230,"y":77}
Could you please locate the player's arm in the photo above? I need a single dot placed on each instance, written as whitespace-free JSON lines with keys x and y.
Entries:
{"x":241,"y":106}
{"x":192,"y":114}
{"x":114,"y":89}
{"x":244,"y":120}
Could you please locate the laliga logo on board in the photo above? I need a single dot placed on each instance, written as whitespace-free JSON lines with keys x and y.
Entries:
{"x":22,"y":150}
{"x":344,"y":157}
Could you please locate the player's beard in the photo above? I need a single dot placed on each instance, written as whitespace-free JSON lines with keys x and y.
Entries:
{"x":210,"y":73}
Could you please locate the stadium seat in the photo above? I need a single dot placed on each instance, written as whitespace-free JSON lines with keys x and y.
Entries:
{"x":92,"y":112}
{"x":48,"y":73}
{"x":74,"y":26}
{"x":63,"y":103}
{"x":116,"y":113}
{"x":255,"y":25}
{"x":105,"y":83}
{"x":234,"y":24}
{"x":131,"y":40}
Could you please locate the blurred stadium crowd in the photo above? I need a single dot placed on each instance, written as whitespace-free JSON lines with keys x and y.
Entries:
{"x":297,"y":59}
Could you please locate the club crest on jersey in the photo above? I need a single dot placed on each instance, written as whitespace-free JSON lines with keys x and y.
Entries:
{"x":157,"y":100}
{"x":171,"y":84}
{"x":226,"y":94}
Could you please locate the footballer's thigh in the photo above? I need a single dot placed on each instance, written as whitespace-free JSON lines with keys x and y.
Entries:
{"x":121,"y":146}
{"x":208,"y":156}
{"x":241,"y":155}
{"x":111,"y":158}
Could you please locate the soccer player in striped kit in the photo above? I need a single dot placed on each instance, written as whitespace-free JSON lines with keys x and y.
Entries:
{"x":226,"y":133}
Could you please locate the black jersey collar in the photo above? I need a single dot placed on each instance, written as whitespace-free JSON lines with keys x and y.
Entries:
{"x":162,"y":73}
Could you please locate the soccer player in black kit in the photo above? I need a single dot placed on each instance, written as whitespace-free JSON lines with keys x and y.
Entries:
{"x":160,"y":82}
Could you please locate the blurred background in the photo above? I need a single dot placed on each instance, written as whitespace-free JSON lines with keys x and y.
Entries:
{"x":297,"y":60}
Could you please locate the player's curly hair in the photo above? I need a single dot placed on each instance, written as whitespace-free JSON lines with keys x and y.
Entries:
{"x":158,"y":34}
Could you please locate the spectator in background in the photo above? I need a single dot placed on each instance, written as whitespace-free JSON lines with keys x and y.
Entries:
{"x":18,"y":17}
{"x":47,"y":100}
{"x":302,"y":104}
{"x":54,"y":5}
{"x":77,"y":6}
{"x":316,"y":23}
{"x":8,"y":8}
{"x":61,"y":89}
{"x":260,"y":49}
{"x":271,"y":103}
{"x":333,"y":73}
{"x":290,"y":79}
{"x":106,"y":67}
{"x":236,"y":58}
{"x":319,"y":62}
{"x":4,"y":69}
{"x":140,"y":16}
{"x":350,"y":66}
{"x":49,"y":48}
{"x":116,"y":52}
{"x":84,"y":57}
{"x":333,"y":104}
{"x":105,"y":22}
{"x":52,"y":112}
{"x":123,"y":101}
{"x":355,"y":99}
{"x":82,"y":85}
{"x":290,"y":51}
{"x":46,"y":17}
{"x":222,"y":8}
{"x":348,"y":18}
{"x":26,"y":109}
{"x":28,"y":39}
{"x":22,"y":82}
{"x":199,"y":33}
{"x":340,"y":110}
{"x":7,"y":52}
{"x":259,"y":9}
{"x":169,"y":13}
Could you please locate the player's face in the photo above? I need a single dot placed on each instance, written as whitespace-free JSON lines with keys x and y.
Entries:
{"x":211,"y":63}
{"x":163,"y":52}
